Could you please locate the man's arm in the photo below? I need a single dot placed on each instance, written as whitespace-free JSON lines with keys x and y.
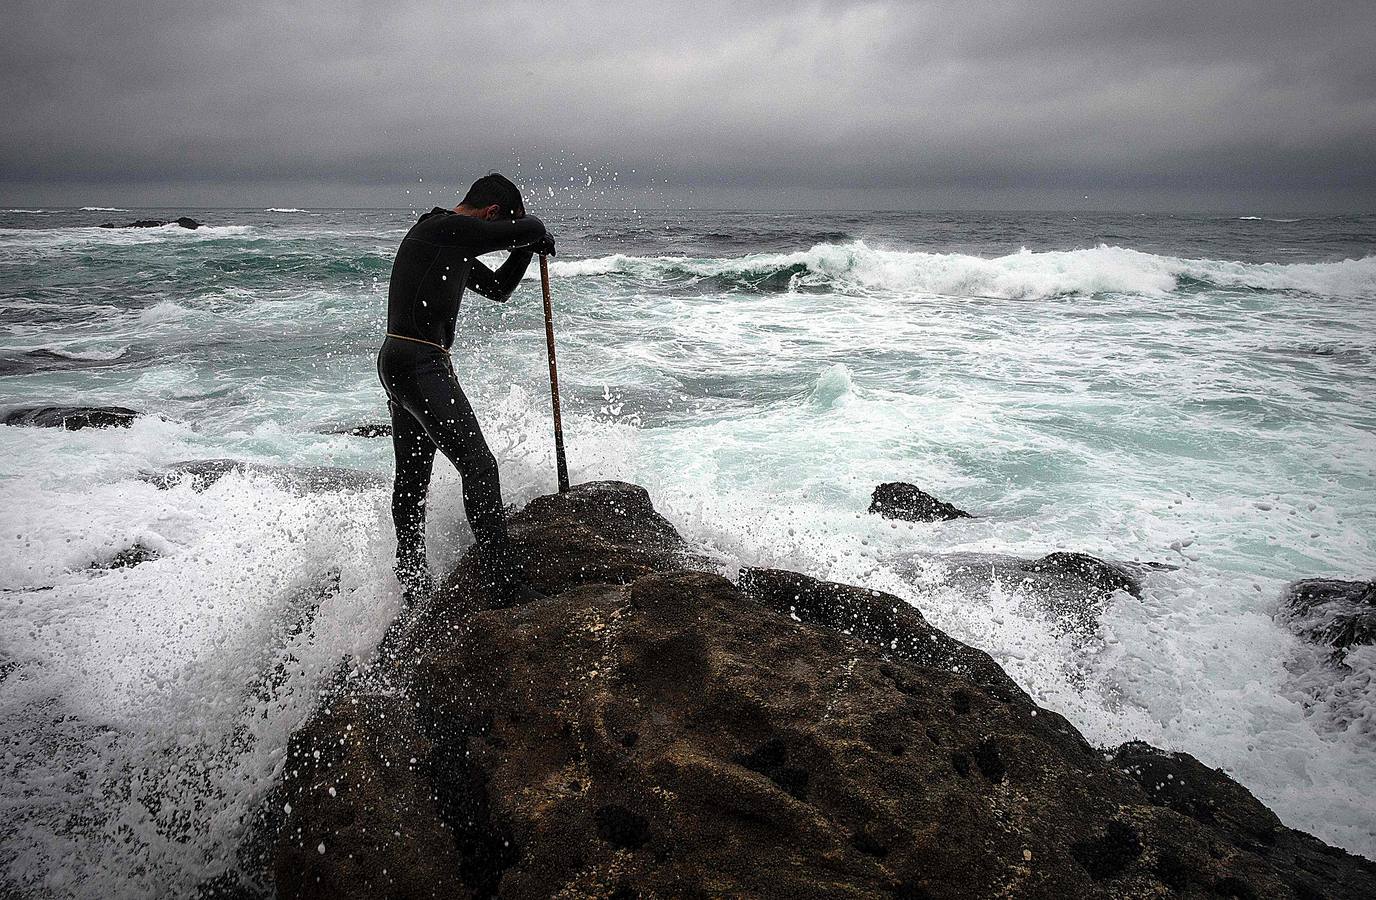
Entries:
{"x":481,"y":236}
{"x":500,"y":284}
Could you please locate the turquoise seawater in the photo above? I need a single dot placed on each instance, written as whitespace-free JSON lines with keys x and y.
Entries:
{"x":1195,"y":391}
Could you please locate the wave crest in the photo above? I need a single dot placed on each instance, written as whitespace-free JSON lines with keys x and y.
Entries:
{"x":1025,"y":275}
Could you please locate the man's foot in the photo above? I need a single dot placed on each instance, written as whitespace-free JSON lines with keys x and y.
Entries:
{"x":516,"y":592}
{"x":416,"y":582}
{"x":501,"y":576}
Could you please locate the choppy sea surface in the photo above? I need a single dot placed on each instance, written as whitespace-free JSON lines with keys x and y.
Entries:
{"x":1196,"y":391}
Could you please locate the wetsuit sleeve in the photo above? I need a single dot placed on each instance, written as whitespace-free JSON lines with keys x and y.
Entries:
{"x":481,"y":236}
{"x":500,"y":284}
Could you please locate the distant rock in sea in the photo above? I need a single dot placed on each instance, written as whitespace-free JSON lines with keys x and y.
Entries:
{"x":900,"y":500}
{"x":183,"y":221}
{"x":648,"y":730}
{"x":72,"y":418}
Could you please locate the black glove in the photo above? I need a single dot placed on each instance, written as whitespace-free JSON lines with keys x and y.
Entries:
{"x":544,"y":246}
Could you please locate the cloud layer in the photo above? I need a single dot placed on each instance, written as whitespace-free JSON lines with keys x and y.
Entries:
{"x":887,"y":103}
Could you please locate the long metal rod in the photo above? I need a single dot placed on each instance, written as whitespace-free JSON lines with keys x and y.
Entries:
{"x":559,"y":459}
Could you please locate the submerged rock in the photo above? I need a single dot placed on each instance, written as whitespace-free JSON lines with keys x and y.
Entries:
{"x":127,"y":558}
{"x":900,"y":500}
{"x":183,"y":221}
{"x":1339,"y":614}
{"x":652,"y":731}
{"x":202,"y":473}
{"x":72,"y":418}
{"x":1073,"y":588}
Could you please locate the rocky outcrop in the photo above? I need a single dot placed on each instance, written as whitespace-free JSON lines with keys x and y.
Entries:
{"x":183,"y":221}
{"x":648,"y":730}
{"x":900,"y":500}
{"x":72,"y":418}
{"x":1339,"y":614}
{"x":202,"y":473}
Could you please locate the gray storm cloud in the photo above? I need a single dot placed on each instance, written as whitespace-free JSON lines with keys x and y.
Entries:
{"x":887,"y":103}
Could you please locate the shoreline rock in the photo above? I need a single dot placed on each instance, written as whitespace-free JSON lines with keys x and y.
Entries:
{"x":648,"y":730}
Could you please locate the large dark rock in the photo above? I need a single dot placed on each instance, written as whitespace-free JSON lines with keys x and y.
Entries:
{"x":900,"y":500}
{"x":1339,"y":614}
{"x":202,"y":473}
{"x":652,"y":731}
{"x":183,"y":221}
{"x":72,"y":418}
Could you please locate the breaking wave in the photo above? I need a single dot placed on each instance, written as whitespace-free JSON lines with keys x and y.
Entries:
{"x":1025,"y":275}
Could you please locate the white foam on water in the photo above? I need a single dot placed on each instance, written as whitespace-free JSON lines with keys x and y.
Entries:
{"x":103,"y":209}
{"x":148,"y":708}
{"x":1023,"y":275}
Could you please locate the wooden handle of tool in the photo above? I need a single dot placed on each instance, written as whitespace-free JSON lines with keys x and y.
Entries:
{"x":560,"y":462}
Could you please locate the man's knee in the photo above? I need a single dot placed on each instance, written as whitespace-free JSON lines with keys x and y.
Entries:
{"x":478,"y":462}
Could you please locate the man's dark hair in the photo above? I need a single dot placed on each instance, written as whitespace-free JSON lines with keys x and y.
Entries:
{"x":498,"y":189}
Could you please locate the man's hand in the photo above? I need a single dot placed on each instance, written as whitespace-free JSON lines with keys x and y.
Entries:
{"x":544,"y":246}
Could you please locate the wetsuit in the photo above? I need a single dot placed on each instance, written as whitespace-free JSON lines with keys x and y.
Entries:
{"x":436,"y":261}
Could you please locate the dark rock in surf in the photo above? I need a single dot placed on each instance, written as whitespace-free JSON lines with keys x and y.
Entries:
{"x":900,"y":500}
{"x":183,"y":221}
{"x":202,"y":473}
{"x":45,"y":360}
{"x":71,"y":418}
{"x":127,"y":558}
{"x":1338,"y":614}
{"x":371,"y":430}
{"x":1102,"y":576}
{"x":1073,"y":588}
{"x":649,"y":730}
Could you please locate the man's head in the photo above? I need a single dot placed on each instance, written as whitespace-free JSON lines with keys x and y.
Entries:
{"x":493,"y":197}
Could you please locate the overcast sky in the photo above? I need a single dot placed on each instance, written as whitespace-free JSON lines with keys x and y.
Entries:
{"x":1146,"y":104}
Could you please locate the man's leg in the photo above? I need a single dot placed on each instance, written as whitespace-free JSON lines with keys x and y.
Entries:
{"x":415,"y":457}
{"x":436,"y":400}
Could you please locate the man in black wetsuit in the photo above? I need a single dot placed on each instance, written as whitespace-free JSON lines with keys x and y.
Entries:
{"x":437,"y":259}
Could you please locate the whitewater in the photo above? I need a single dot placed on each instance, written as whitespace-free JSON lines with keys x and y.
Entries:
{"x":1194,"y":391}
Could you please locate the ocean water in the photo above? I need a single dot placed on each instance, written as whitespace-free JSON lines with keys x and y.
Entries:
{"x":1196,"y":391}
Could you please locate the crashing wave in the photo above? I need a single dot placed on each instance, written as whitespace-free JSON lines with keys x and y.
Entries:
{"x":1025,"y":275}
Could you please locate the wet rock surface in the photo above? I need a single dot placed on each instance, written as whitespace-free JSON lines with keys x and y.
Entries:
{"x":900,"y":500}
{"x":1339,"y":614}
{"x":649,"y":730}
{"x":71,"y":418}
